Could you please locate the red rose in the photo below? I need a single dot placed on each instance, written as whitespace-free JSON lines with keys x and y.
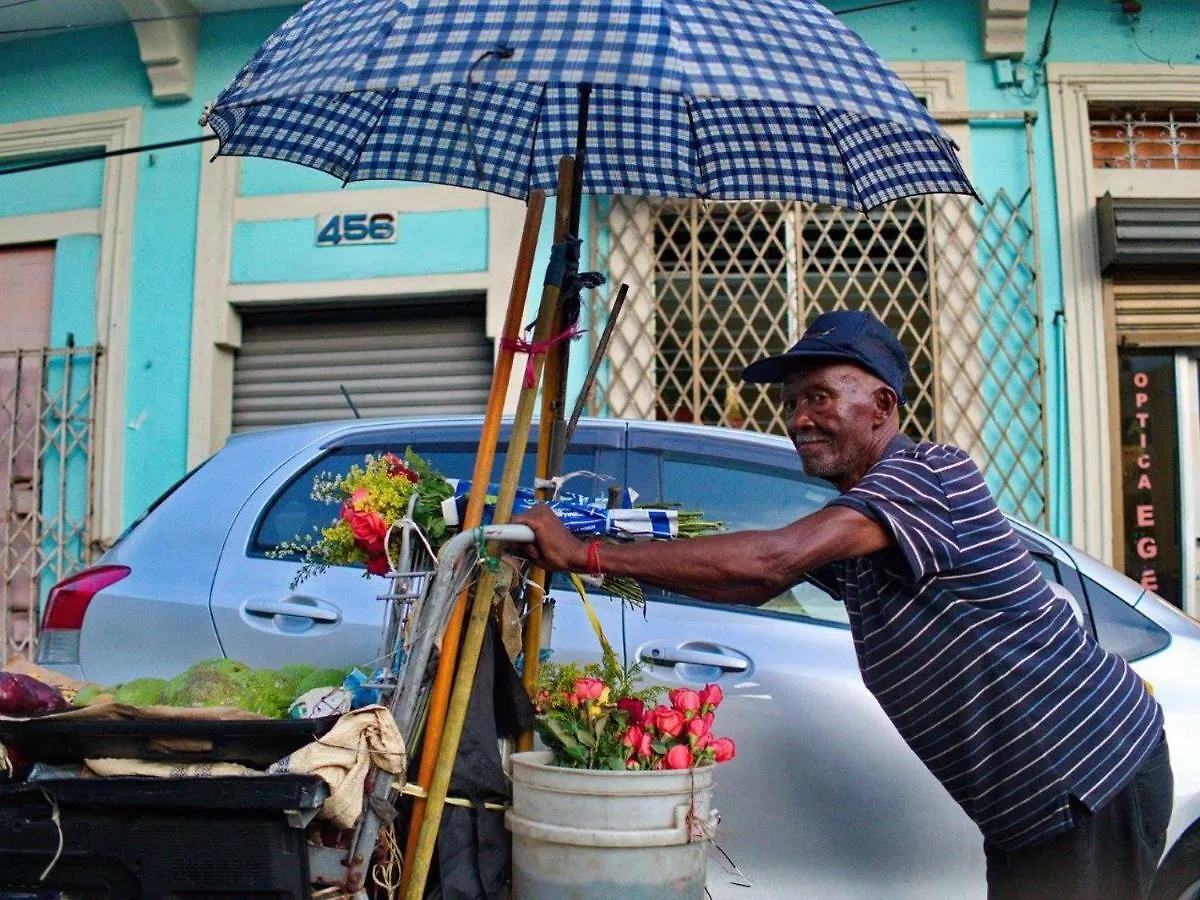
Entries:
{"x":378,"y":564}
{"x":686,"y":701}
{"x":711,"y":696}
{"x":678,"y":757}
{"x":635,"y":707}
{"x":698,"y":727}
{"x":668,"y":721}
{"x":398,"y":468}
{"x":724,"y":749}
{"x":589,"y":688}
{"x":704,"y":741}
{"x":369,"y":528}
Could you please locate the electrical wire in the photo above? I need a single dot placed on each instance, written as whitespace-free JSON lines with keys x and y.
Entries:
{"x":880,"y":5}
{"x":84,"y":26}
{"x":106,"y":154}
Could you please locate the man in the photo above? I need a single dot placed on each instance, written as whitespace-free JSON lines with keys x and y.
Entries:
{"x":1052,"y":746}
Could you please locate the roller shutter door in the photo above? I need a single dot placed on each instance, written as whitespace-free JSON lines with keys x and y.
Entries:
{"x":291,"y":368}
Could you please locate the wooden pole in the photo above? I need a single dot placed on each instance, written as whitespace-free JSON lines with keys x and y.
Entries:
{"x":482,"y":474}
{"x":481,"y":607}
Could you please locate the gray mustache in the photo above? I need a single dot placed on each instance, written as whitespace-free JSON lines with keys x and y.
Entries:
{"x":808,"y":437}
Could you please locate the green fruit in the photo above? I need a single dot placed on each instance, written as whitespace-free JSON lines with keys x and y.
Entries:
{"x":88,"y":694}
{"x":140,"y":692}
{"x":322,"y":678}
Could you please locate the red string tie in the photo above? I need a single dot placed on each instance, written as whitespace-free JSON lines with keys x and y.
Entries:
{"x":537,"y":348}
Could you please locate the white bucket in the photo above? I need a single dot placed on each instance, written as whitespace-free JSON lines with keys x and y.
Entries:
{"x":582,"y":834}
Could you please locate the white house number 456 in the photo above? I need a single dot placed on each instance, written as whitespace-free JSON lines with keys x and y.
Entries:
{"x":356,"y":228}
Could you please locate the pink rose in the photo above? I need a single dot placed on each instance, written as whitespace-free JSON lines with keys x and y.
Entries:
{"x":632,"y":738}
{"x":589,"y":688}
{"x":724,"y":749}
{"x":632,"y":763}
{"x":704,"y":741}
{"x":686,"y":701}
{"x":698,"y":727}
{"x":644,"y":749}
{"x":708,"y":718}
{"x":542,"y":701}
{"x":678,"y":757}
{"x":635,"y":707}
{"x":711,"y":696}
{"x":668,"y":721}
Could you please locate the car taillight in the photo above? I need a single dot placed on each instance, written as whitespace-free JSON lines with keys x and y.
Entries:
{"x":58,"y":642}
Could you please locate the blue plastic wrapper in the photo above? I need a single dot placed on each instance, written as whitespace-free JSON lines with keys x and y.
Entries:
{"x":581,"y":515}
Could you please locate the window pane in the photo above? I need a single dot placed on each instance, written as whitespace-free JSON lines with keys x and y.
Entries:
{"x":753,"y":497}
{"x":1120,"y":628}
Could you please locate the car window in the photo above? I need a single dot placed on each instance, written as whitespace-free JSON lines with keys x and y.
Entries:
{"x":293,"y":513}
{"x":748,"y":496}
{"x":1074,"y":598}
{"x":159,"y":502}
{"x":1120,"y":628}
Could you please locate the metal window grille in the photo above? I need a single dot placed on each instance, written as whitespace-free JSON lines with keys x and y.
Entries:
{"x":1125,"y":137}
{"x":47,"y":442}
{"x":715,"y":285}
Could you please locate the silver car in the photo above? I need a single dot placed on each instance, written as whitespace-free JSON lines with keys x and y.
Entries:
{"x":824,"y":799}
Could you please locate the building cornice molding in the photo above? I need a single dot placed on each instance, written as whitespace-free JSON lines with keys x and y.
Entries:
{"x":1005,"y":27}
{"x":167,"y":46}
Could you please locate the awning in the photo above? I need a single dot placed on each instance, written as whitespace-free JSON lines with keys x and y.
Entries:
{"x":1148,"y":237}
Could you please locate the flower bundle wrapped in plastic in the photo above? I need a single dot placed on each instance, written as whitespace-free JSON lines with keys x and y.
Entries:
{"x":371,"y":500}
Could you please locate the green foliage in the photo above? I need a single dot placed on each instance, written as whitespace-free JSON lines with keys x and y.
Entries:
{"x":586,"y":733}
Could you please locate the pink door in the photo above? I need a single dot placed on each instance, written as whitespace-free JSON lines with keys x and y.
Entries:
{"x":26,"y":292}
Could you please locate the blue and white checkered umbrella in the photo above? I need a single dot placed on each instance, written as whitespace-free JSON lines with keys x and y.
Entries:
{"x":721,"y":99}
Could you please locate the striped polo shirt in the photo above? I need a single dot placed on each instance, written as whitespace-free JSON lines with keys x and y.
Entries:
{"x":986,"y":674}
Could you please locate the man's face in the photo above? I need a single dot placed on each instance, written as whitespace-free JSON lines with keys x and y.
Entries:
{"x":832,"y":413}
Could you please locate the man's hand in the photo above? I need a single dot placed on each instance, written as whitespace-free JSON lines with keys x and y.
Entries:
{"x":554,"y":549}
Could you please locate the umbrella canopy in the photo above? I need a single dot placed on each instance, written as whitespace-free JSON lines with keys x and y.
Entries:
{"x":720,"y":99}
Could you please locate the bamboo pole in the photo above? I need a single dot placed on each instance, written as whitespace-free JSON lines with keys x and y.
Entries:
{"x":481,"y":607}
{"x":482,"y":474}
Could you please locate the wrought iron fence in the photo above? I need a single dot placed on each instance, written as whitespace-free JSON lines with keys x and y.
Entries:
{"x":47,"y":459}
{"x":715,"y":285}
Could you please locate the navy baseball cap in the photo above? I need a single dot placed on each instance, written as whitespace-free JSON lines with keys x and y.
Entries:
{"x":848,"y":336}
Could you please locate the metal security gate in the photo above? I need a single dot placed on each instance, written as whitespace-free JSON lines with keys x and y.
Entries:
{"x":47,"y":484}
{"x":309,"y":366}
{"x":715,"y":285}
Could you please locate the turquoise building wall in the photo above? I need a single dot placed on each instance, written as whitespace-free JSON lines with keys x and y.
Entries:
{"x":100,"y":69}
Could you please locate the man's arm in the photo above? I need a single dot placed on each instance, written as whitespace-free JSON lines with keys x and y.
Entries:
{"x":740,"y":567}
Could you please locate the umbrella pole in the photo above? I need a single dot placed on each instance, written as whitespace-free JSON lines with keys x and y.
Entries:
{"x":473,"y":515}
{"x":552,"y":439}
{"x":454,"y":715}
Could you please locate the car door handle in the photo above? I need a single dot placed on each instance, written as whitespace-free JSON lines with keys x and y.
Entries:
{"x":300,"y":611}
{"x":674,"y":656}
